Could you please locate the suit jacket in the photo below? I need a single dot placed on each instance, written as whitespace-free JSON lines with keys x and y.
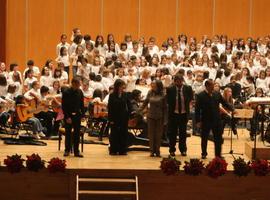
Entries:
{"x":171,"y":98}
{"x":72,"y":102}
{"x":207,"y":108}
{"x":157,"y":106}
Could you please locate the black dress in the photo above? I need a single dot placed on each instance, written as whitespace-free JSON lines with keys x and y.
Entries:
{"x":118,"y":114}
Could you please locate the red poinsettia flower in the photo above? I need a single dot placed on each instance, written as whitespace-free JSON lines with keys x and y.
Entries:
{"x":57,"y":165}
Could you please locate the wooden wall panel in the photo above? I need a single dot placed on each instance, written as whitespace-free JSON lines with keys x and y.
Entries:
{"x":158,"y":19}
{"x":3,"y":30}
{"x":195,"y":18}
{"x":232,"y":17}
{"x":45,"y":25}
{"x":260,"y":23}
{"x":121,"y":17}
{"x":16,"y":32}
{"x":84,"y":14}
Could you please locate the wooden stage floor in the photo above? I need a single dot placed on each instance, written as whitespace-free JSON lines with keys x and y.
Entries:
{"x":96,"y":156}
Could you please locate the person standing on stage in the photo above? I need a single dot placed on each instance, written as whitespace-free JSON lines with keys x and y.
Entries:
{"x":179,"y":97}
{"x":73,"y":108}
{"x":156,"y":116}
{"x":118,"y":114}
{"x":208,"y":116}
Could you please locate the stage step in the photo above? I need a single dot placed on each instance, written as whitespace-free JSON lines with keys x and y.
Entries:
{"x":107,"y":192}
{"x":111,"y":180}
{"x":106,"y":188}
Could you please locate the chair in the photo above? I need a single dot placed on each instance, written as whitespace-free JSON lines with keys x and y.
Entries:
{"x":62,"y":132}
{"x":97,"y":120}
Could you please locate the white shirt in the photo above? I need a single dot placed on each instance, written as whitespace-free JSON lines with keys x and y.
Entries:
{"x":60,"y":45}
{"x":28,"y":95}
{"x":84,"y":71}
{"x":95,"y":69}
{"x":35,"y":70}
{"x":28,"y":82}
{"x":88,"y":93}
{"x":46,"y":81}
{"x":63,"y":59}
{"x":98,"y":85}
{"x":131,"y":83}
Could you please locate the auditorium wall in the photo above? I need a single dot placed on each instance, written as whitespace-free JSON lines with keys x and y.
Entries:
{"x":33,"y":27}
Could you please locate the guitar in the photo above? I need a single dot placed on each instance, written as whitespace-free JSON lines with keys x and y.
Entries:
{"x":100,"y":110}
{"x":24,"y":112}
{"x":86,"y":101}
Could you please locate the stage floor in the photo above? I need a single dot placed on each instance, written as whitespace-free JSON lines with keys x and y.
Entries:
{"x":96,"y":156}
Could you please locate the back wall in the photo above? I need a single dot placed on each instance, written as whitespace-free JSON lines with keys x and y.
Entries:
{"x":33,"y":27}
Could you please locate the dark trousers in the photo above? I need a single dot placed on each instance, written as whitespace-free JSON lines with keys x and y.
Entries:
{"x":178,"y":126}
{"x":73,"y":138}
{"x":118,"y":138}
{"x":217,"y":133}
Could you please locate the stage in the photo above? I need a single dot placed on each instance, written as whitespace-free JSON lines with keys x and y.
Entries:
{"x":135,"y":176}
{"x":96,"y":156}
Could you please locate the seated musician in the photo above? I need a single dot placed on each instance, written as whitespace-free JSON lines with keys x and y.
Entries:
{"x":87,"y":93}
{"x":21,"y":105}
{"x":33,"y":94}
{"x":257,"y":116}
{"x":98,"y":109}
{"x":47,"y":115}
{"x":227,"y":117}
{"x":137,"y":120}
{"x":4,"y":115}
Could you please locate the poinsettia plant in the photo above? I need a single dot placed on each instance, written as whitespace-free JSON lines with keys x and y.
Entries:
{"x":194,"y":167}
{"x":241,"y":167}
{"x":260,"y":167}
{"x":34,"y":163}
{"x":170,"y":165}
{"x":57,"y":165}
{"x":14,"y":163}
{"x":217,"y":167}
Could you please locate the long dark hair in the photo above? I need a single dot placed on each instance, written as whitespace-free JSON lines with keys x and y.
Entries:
{"x":97,"y":43}
{"x":117,"y":84}
{"x":159,"y":85}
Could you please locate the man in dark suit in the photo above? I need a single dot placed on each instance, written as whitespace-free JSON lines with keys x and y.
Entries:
{"x":73,"y":109}
{"x":179,"y":97}
{"x":208,"y":117}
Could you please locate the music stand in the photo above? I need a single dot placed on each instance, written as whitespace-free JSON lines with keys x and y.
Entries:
{"x":239,"y":114}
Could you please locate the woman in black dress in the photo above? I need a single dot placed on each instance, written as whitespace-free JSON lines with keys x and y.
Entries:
{"x":118,"y":114}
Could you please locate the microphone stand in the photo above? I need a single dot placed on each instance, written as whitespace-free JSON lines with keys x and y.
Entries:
{"x":231,"y":152}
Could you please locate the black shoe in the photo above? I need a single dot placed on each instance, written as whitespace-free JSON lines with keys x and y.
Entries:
{"x":113,"y":153}
{"x":184,"y":153}
{"x":122,"y":153}
{"x":152,"y":155}
{"x":66,"y":154}
{"x":234,"y":131}
{"x":203,"y":156}
{"x":158,"y":155}
{"x":252,"y":138}
{"x":172,"y":154}
{"x":78,"y":155}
